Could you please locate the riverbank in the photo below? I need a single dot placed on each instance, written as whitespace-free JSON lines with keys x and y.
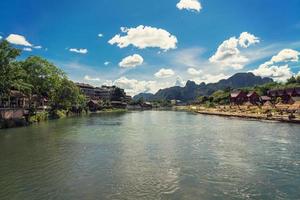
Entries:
{"x":46,"y":116}
{"x":280,"y":114}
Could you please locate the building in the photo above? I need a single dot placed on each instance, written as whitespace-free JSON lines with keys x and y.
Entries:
{"x":17,"y":99}
{"x":104,"y":92}
{"x":287,"y":95}
{"x":238,"y":97}
{"x":265,"y":99}
{"x":87,"y":90}
{"x":253,"y":98}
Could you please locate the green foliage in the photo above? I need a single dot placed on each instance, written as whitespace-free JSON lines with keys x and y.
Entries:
{"x":67,"y":96}
{"x":42,"y":75}
{"x":58,"y":114}
{"x":8,"y":54}
{"x":39,"y":117}
{"x":37,"y":76}
{"x":220,"y":97}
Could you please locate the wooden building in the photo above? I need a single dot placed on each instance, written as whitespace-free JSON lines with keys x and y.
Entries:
{"x":253,"y":98}
{"x":238,"y":97}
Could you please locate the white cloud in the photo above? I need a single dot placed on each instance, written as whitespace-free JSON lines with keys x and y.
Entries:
{"x":88,"y":78}
{"x":278,"y":73}
{"x":210,"y":78}
{"x":286,"y":55}
{"x":100,"y":35}
{"x":246,"y":39}
{"x":131,"y":61}
{"x":38,"y":47}
{"x":106,"y":63}
{"x":27,"y":49}
{"x":133,"y":86}
{"x":144,"y":37}
{"x":108,"y":83}
{"x":194,"y":72}
{"x":81,"y":51}
{"x":0,"y":37}
{"x":164,"y":73}
{"x":189,"y":5}
{"x":18,"y":40}
{"x":228,"y":53}
{"x":179,"y":81}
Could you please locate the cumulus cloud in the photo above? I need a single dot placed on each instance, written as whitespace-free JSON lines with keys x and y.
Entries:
{"x":194,"y":72}
{"x":81,"y":51}
{"x":133,"y":86}
{"x":0,"y":37}
{"x":106,"y":63}
{"x":193,"y":5}
{"x":286,"y":55}
{"x":228,"y":53}
{"x":246,"y":39}
{"x":278,"y":72}
{"x":27,"y":49}
{"x":164,"y":73}
{"x":131,"y":61}
{"x":18,"y":40}
{"x":100,"y":35}
{"x":179,"y":81}
{"x":143,"y":37}
{"x":210,"y":78}
{"x":88,"y":78}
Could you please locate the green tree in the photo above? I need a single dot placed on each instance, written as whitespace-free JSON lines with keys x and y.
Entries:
{"x":8,"y":54}
{"x":44,"y":76}
{"x":291,"y":80}
{"x":67,"y":96}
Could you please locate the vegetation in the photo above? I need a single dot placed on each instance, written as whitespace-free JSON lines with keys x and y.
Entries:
{"x":38,"y":77}
{"x":221,"y":97}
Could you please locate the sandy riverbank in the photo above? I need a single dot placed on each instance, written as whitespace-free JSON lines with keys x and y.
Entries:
{"x":280,"y":113}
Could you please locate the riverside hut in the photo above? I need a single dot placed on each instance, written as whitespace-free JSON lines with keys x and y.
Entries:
{"x":238,"y":97}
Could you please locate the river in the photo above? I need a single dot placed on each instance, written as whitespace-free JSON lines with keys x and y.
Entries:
{"x":150,"y":155}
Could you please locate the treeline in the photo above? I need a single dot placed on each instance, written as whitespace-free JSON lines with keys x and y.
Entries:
{"x":221,"y":97}
{"x":35,"y":76}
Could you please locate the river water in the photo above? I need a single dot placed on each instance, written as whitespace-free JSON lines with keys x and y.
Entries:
{"x":150,"y":155}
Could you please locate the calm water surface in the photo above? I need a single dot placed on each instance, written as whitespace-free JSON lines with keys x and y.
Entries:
{"x":150,"y":155}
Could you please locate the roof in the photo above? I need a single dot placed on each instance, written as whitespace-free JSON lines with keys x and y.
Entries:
{"x":265,"y":98}
{"x":93,"y":101}
{"x":251,"y":93}
{"x":84,"y":85}
{"x":16,"y":93}
{"x":235,"y":94}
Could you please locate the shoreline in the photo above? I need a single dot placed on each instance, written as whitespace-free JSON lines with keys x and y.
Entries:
{"x":252,"y":117}
{"x":232,"y":113}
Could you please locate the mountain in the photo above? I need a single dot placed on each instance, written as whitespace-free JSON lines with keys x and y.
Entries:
{"x":191,"y":90}
{"x":145,"y":96}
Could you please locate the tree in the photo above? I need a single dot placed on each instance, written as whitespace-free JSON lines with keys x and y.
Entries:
{"x":291,"y":80}
{"x":67,"y":96}
{"x":220,"y":97}
{"x":8,"y":54}
{"x":44,"y":76}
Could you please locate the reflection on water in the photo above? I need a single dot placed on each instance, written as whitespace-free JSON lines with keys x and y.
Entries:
{"x":150,"y":155}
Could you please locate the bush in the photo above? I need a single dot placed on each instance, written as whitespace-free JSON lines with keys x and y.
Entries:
{"x":39,"y":117}
{"x":57,"y":114}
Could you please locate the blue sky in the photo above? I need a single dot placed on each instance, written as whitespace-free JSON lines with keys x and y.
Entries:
{"x":163,"y":42}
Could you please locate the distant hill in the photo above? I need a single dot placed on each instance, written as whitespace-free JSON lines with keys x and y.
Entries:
{"x":191,"y":90}
{"x":145,"y":96}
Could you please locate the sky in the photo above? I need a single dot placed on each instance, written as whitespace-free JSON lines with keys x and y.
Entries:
{"x":143,"y":46}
